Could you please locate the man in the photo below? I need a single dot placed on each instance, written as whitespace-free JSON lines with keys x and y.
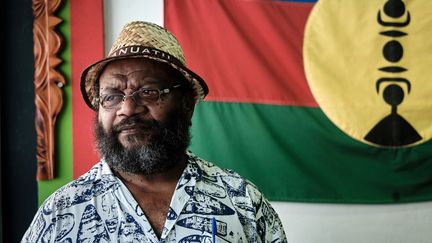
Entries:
{"x":148,"y":188}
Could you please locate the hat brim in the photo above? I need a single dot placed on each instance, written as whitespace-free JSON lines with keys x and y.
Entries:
{"x":90,"y":77}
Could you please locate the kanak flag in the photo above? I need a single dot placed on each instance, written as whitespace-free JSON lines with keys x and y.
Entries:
{"x":261,"y":118}
{"x":284,"y":97}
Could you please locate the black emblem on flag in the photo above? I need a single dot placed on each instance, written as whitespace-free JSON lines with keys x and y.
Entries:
{"x":393,"y":130}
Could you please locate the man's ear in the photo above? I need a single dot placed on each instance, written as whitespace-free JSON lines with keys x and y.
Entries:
{"x":189,"y":105}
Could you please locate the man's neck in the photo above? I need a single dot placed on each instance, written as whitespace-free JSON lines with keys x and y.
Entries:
{"x":161,"y":181}
{"x":154,"y":192}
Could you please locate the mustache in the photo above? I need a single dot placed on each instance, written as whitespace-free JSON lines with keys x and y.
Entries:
{"x":136,"y":123}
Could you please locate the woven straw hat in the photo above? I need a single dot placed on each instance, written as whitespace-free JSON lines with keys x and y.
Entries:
{"x":141,"y":39}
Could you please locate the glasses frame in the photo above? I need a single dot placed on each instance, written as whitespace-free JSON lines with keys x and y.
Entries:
{"x":134,"y":95}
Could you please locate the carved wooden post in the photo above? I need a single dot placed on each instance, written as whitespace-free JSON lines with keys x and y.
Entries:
{"x":48,"y":82}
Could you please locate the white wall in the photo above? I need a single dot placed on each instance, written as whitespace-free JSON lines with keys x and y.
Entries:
{"x":336,"y":223}
{"x":119,"y":12}
{"x":307,"y":223}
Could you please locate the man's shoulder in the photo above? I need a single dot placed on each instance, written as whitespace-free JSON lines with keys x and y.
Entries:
{"x":235,"y":184}
{"x":211,"y":169}
{"x":89,"y":185}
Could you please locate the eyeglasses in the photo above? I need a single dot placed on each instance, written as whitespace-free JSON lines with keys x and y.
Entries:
{"x":141,"y":97}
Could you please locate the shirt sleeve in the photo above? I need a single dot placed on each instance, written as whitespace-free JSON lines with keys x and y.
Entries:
{"x":269,"y":226}
{"x":39,"y":228}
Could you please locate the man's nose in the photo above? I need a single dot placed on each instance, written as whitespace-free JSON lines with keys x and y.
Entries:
{"x":129,"y":107}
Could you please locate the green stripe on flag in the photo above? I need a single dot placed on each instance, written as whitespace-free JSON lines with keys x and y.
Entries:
{"x":296,"y":154}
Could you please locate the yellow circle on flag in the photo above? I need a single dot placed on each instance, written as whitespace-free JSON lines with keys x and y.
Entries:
{"x":369,"y":67}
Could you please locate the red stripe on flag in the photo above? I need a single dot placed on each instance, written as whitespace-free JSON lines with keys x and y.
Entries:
{"x":87,"y":46}
{"x":247,"y":51}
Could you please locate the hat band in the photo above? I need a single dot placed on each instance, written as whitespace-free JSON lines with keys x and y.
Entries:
{"x":145,"y":51}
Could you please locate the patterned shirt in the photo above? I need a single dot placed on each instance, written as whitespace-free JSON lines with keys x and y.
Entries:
{"x":208,"y":202}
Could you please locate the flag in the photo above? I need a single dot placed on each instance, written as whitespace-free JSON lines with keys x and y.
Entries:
{"x":262,"y":120}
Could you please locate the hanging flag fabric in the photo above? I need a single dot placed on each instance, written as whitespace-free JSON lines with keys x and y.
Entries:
{"x":264,"y":119}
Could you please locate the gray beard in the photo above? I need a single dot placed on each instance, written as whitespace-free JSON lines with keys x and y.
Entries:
{"x":162,"y":151}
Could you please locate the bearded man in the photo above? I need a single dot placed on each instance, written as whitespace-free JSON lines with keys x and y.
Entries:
{"x":148,"y":187}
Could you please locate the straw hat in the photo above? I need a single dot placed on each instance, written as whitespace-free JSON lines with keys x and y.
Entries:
{"x":141,"y":39}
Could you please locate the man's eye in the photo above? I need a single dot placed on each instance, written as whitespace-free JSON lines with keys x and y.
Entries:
{"x":149,"y":93}
{"x":113,"y":97}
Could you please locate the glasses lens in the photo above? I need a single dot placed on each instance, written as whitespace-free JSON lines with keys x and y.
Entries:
{"x":145,"y":96}
{"x":111,"y":100}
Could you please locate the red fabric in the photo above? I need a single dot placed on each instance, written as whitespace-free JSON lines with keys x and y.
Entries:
{"x":247,"y":51}
{"x":87,"y":46}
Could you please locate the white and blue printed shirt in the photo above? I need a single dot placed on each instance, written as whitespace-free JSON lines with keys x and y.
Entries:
{"x":97,"y":207}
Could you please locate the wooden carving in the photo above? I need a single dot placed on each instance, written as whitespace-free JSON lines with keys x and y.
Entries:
{"x":48,"y":82}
